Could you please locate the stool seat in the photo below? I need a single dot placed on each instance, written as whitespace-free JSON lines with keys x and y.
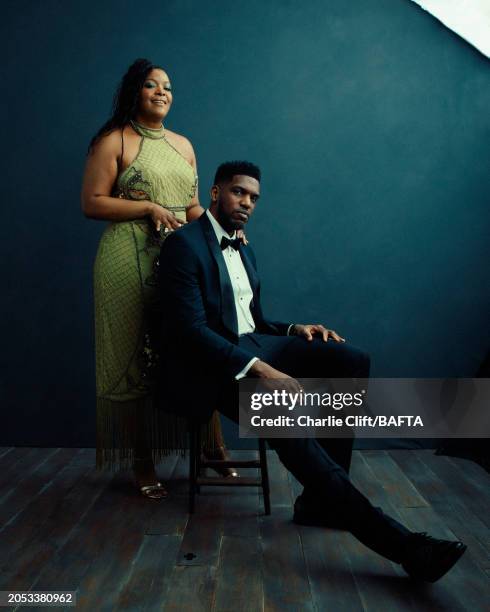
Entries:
{"x":197,"y":464}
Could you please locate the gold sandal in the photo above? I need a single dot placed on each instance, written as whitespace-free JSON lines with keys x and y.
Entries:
{"x":151,"y":491}
{"x":156,"y":491}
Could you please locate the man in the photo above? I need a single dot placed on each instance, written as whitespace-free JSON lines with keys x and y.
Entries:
{"x":216,"y":333}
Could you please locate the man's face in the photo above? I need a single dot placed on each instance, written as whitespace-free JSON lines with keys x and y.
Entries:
{"x":234,"y":202}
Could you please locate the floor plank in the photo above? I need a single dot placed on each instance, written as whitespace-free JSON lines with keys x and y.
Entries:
{"x":4,"y":450}
{"x":24,"y":527}
{"x":475,"y":498}
{"x":192,"y":590}
{"x":13,"y":456}
{"x":18,"y":465}
{"x":239,"y":576}
{"x":332,"y":584}
{"x":40,"y":557}
{"x":398,"y":487}
{"x":91,"y":537}
{"x":478,"y":478}
{"x":202,"y":538}
{"x":149,"y":578}
{"x":33,"y":483}
{"x":286,"y":584}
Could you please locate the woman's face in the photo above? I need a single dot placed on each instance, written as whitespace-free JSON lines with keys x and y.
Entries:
{"x":156,"y":95}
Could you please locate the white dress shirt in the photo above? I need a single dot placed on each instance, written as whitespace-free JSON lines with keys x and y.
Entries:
{"x":240,"y":283}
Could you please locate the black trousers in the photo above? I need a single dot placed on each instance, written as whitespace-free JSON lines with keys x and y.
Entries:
{"x":322,"y":465}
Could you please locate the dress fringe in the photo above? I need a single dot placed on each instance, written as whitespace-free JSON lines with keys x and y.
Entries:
{"x":128,"y":428}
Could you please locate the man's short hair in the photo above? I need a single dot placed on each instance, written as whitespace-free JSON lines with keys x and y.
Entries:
{"x":228,"y":170}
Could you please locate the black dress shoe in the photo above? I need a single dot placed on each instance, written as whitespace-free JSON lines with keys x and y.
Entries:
{"x":306,"y":515}
{"x":429,"y":559}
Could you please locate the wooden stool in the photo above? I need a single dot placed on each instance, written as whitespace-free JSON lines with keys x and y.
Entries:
{"x":196,"y":464}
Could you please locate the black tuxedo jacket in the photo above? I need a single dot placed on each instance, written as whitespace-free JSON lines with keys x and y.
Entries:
{"x":199,"y":352}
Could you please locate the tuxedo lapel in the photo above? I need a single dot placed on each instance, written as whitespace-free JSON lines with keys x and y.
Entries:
{"x":228,"y":310}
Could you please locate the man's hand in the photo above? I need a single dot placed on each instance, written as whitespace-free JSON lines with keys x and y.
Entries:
{"x":308,"y":331}
{"x":263,"y":370}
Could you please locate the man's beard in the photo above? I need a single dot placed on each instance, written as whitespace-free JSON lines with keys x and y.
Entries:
{"x":228,"y":224}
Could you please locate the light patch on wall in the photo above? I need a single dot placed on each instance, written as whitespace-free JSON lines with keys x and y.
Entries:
{"x":468,"y":18}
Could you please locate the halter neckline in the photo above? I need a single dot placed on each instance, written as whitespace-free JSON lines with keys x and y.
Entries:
{"x":148,"y":132}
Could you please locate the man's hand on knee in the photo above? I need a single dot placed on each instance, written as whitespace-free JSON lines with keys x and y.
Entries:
{"x":308,"y":331}
{"x":266,"y":372}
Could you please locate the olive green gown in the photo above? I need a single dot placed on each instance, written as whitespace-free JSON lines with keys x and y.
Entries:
{"x":126,"y":310}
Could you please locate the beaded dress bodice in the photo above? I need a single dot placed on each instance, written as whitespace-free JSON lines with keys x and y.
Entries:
{"x":158,"y":173}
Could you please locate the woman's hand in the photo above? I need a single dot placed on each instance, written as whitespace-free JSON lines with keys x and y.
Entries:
{"x":241,"y":235}
{"x":161,"y":216}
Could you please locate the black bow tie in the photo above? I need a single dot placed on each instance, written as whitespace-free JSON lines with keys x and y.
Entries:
{"x":227,"y":242}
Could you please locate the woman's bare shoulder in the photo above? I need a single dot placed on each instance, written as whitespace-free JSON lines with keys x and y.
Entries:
{"x":181,"y":143}
{"x":108,"y":144}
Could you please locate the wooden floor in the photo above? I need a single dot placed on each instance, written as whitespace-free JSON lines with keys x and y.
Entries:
{"x":64,"y":526}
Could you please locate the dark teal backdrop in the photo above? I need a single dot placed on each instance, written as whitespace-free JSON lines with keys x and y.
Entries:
{"x":369,"y":119}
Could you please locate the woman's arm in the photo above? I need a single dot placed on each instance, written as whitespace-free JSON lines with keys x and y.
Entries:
{"x":99,"y":177}
{"x":194,"y":210}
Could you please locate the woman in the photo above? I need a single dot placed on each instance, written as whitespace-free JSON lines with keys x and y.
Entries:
{"x":143,"y":178}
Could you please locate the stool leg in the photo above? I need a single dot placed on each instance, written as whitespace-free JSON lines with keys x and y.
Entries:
{"x":198,"y":457}
{"x":264,"y":476}
{"x":192,"y":467}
